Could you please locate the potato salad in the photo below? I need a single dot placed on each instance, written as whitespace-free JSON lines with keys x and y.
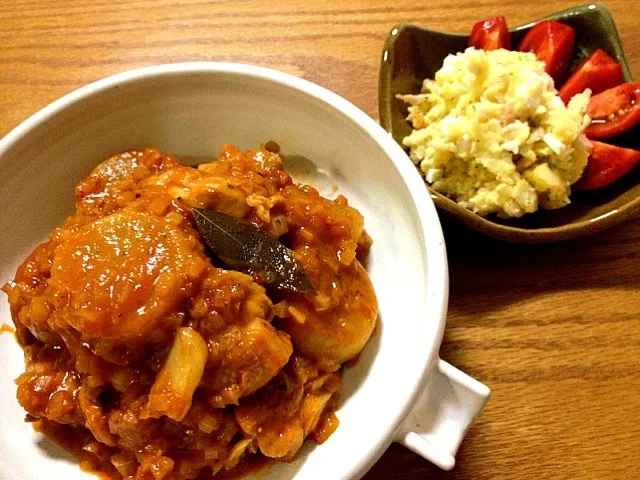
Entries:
{"x":491,"y":133}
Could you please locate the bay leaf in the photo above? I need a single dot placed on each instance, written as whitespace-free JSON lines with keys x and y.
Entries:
{"x":246,"y":248}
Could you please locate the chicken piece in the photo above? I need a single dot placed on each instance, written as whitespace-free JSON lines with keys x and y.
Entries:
{"x":334,"y":325}
{"x":128,"y":426}
{"x":49,"y":386}
{"x":96,"y":420}
{"x":281,"y":415}
{"x":316,"y":221}
{"x":196,"y":188}
{"x":232,"y":312}
{"x":29,"y":308}
{"x":123,"y":277}
{"x":228,"y":298}
{"x":202,"y":439}
{"x":257,"y":170}
{"x":243,"y":359}
{"x":113,"y":184}
{"x":244,"y":185}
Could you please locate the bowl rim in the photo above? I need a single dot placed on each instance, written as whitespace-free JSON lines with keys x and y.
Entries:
{"x":495,"y":230}
{"x":434,"y":250}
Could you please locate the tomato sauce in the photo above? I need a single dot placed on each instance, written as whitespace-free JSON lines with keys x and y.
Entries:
{"x":146,"y":359}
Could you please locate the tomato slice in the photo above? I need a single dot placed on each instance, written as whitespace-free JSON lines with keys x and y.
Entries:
{"x":606,"y":164}
{"x":552,"y":42}
{"x":599,"y":72}
{"x":490,"y":34}
{"x":614,"y":111}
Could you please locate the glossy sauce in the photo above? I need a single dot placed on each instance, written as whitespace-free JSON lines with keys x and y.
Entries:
{"x":99,"y":306}
{"x":71,"y":440}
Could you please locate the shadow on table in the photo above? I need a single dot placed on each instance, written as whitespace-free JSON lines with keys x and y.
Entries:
{"x":487,"y":275}
{"x":400,"y":463}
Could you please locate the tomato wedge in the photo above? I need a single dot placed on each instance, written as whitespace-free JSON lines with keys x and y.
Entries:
{"x":552,"y":42}
{"x":614,"y":111}
{"x":606,"y":164}
{"x":599,"y":72}
{"x":490,"y":34}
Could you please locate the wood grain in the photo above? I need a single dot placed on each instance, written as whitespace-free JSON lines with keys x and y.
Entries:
{"x":553,"y":330}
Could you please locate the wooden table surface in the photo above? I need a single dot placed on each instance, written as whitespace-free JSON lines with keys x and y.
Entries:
{"x":553,"y":330}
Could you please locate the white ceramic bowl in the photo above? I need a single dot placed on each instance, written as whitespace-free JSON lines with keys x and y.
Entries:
{"x":191,"y":110}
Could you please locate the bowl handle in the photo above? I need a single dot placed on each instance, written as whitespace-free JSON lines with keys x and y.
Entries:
{"x":448,"y":405}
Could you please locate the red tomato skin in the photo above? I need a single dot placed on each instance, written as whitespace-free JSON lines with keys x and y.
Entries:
{"x":552,"y":42}
{"x":606,"y":164}
{"x":490,"y":34}
{"x":598,"y":73}
{"x":614,"y":111}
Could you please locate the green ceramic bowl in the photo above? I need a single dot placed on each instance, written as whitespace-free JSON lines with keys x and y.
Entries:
{"x":412,"y":54}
